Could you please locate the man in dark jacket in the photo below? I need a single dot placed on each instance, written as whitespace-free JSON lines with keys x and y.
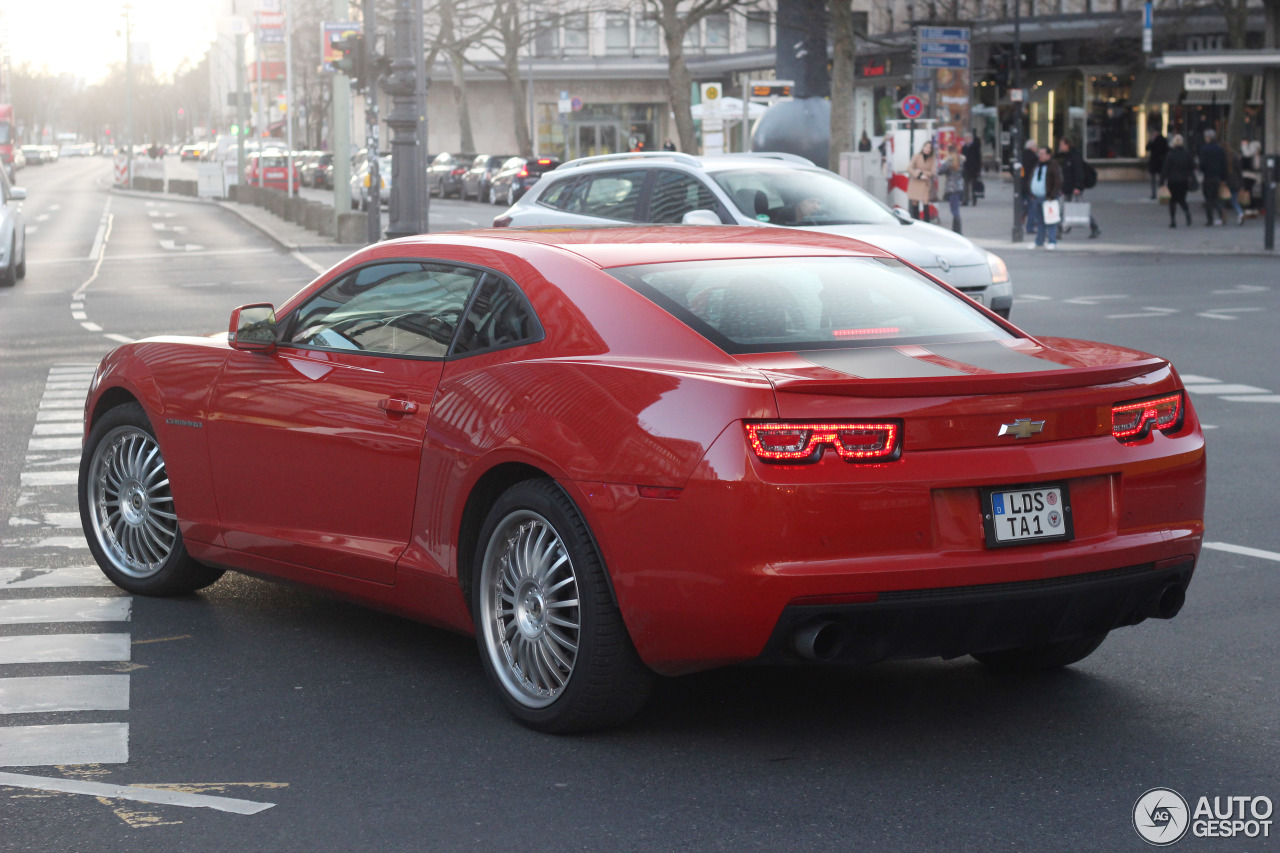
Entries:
{"x":1073,"y":178}
{"x":1030,"y":159}
{"x":1213,"y":166}
{"x":972,"y":153}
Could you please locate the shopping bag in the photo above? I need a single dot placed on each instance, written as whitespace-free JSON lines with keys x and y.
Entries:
{"x":979,"y":189}
{"x":1163,"y":195}
{"x":1052,"y":212}
{"x":1224,"y":192}
{"x":1075,"y":213}
{"x":1245,"y":198}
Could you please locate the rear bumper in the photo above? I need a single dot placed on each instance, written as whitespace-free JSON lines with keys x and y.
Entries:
{"x":955,"y":621}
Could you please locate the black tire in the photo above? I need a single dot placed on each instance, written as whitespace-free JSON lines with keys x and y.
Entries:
{"x":21,"y":270}
{"x":493,"y":194}
{"x":511,"y":194}
{"x":9,"y":275}
{"x":1042,"y":657}
{"x":142,"y":551}
{"x":562,"y":625}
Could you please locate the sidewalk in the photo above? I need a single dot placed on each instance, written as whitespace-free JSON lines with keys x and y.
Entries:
{"x":1129,"y":219}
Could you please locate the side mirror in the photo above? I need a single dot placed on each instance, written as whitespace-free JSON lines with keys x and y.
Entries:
{"x":17,"y":193}
{"x":253,"y":328}
{"x":701,"y":217}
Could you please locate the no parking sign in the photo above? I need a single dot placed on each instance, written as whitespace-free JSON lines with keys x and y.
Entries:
{"x":912,"y":106}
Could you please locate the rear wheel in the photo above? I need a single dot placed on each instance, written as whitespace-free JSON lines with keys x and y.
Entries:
{"x":493,"y":194}
{"x":1042,"y":657}
{"x":511,"y":195}
{"x":21,"y":270}
{"x":550,"y":637}
{"x":127,"y":510}
{"x":9,"y":275}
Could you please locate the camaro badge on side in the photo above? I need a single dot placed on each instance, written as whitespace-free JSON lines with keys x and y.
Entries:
{"x":1022,"y":428}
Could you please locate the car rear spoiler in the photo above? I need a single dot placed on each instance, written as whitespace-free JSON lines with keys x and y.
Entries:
{"x":985,"y":383}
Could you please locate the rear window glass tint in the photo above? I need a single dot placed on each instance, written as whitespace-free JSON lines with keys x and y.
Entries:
{"x":675,"y":194}
{"x":775,"y":304}
{"x":499,"y":316}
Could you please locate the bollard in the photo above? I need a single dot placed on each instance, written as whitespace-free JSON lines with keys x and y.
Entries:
{"x":1269,"y":200}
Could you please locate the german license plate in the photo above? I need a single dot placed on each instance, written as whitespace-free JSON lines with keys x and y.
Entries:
{"x":1025,"y":514}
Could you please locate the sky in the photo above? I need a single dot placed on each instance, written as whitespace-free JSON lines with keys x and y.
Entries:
{"x":79,"y":36}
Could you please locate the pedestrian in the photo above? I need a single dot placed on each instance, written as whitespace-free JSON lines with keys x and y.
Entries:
{"x":668,"y":146}
{"x":1030,"y":159}
{"x":1179,"y":167}
{"x":972,"y":152}
{"x":1213,"y":169}
{"x":924,"y":169}
{"x":1074,"y":178}
{"x":864,"y":144}
{"x":1045,"y":186}
{"x":1250,"y":163}
{"x":952,"y":169}
{"x":1157,"y":150}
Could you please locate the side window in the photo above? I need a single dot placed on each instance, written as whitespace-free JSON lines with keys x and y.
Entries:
{"x":408,"y":309}
{"x":559,"y":195}
{"x":500,"y":316}
{"x":611,"y":195}
{"x":675,"y":194}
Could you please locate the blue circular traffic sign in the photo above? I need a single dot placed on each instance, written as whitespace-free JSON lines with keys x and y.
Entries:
{"x":912,"y":106}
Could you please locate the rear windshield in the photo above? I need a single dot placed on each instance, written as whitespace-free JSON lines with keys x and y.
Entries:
{"x":801,"y":197}
{"x":773,"y":304}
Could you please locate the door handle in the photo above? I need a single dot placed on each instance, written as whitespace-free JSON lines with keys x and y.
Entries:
{"x":397,"y":406}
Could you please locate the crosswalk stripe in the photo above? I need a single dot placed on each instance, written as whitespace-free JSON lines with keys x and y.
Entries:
{"x":63,"y":395}
{"x":77,"y":385}
{"x":74,"y":543}
{"x":48,"y":478}
{"x":61,"y":403}
{"x":1254,"y":398}
{"x":64,"y":648}
{"x":1223,"y":388}
{"x":72,"y":743}
{"x":53,"y":415}
{"x":70,"y":576}
{"x":66,"y":426}
{"x":54,"y":693}
{"x":37,"y":445}
{"x":29,"y":611}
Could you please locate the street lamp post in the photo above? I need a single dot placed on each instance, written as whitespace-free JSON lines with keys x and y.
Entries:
{"x":128,"y":86}
{"x":1015,"y":157}
{"x":406,"y":171}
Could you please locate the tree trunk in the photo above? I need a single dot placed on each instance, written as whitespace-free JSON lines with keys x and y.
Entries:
{"x":448,"y":35}
{"x":679,"y":81}
{"x":841,"y":81}
{"x":1271,"y":92}
{"x":1237,"y":15}
{"x":511,"y":41}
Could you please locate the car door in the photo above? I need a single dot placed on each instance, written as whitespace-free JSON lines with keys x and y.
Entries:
{"x":606,"y":197}
{"x":316,"y":446}
{"x":673,"y":194}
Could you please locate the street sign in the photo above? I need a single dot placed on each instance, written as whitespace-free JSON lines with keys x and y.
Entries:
{"x":1196,"y":82}
{"x":912,"y":106}
{"x":944,"y":61}
{"x":944,"y":33}
{"x":765,"y":89}
{"x":575,"y":104}
{"x":944,"y":47}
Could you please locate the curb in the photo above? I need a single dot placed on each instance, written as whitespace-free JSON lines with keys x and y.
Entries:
{"x":1123,"y":249}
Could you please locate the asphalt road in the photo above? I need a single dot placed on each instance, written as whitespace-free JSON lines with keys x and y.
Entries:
{"x":367,"y":731}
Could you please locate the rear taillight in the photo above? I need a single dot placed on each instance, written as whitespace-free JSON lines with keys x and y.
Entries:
{"x":805,"y":442}
{"x":1134,"y":420}
{"x":501,"y":221}
{"x":459,"y":171}
{"x":523,"y":173}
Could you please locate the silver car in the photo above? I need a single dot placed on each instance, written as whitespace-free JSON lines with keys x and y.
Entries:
{"x":754,"y":189}
{"x":13,"y":233}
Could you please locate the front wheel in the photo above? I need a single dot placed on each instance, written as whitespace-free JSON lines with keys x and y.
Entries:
{"x":9,"y":275}
{"x":511,"y":195}
{"x":550,"y":638}
{"x":127,"y":509}
{"x":1042,"y":657}
{"x":493,"y":194}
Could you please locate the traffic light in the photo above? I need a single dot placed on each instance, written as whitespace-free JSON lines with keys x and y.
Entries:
{"x":1000,"y":65}
{"x":353,"y":59}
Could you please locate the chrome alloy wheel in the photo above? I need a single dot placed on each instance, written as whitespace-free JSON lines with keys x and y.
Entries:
{"x":130,"y":505}
{"x":529,"y":602}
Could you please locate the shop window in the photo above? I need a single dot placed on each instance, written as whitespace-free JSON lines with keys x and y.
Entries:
{"x":717,"y":33}
{"x":547,"y":41}
{"x":617,"y":32}
{"x":759,"y":28}
{"x":693,"y":38}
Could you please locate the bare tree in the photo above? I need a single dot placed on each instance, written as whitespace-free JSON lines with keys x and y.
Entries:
{"x":842,"y":62}
{"x":676,"y":18}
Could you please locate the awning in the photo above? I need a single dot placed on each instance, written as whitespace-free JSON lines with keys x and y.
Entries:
{"x":1156,"y":87}
{"x":1221,"y":97}
{"x":731,"y":110}
{"x":1038,"y":84}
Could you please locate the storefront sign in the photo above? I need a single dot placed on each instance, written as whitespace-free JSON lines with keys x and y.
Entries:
{"x":873,"y":70}
{"x":1196,"y":82}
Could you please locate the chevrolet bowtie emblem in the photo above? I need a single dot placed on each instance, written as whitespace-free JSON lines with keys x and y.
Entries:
{"x":1021,"y":428}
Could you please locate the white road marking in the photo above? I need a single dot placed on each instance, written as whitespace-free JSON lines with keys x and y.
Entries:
{"x":305,"y":261}
{"x":1032,"y":297}
{"x":173,"y":246}
{"x":64,"y":394}
{"x":68,"y":383}
{"x":63,"y":648}
{"x":1147,"y":311}
{"x":176,"y":229}
{"x":53,"y":693}
{"x":70,"y":403}
{"x":1223,"y":388}
{"x":1226,"y":313}
{"x":76,"y":306}
{"x":57,"y":443}
{"x":43,"y":217}
{"x":67,"y":426}
{"x":49,"y":478}
{"x":1093,"y":300}
{"x":73,"y":543}
{"x":120,"y":339}
{"x":70,"y":369}
{"x":138,"y":794}
{"x":1241,"y":288}
{"x":20,"y":577}
{"x":91,"y":327}
{"x":99,"y":239}
{"x":31,"y":229}
{"x":30,"y":611}
{"x":73,"y":743}
{"x":47,"y":415}
{"x":1254,"y":398}
{"x":57,"y":520}
{"x":1242,"y":550}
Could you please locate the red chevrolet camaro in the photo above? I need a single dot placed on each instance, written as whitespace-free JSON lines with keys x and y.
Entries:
{"x":618,"y":452}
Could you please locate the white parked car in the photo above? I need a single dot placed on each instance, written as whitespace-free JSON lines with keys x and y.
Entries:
{"x":13,"y":233}
{"x":778,"y":190}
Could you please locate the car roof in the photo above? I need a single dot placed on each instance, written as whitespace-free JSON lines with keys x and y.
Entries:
{"x":669,"y":159}
{"x":628,"y":246}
